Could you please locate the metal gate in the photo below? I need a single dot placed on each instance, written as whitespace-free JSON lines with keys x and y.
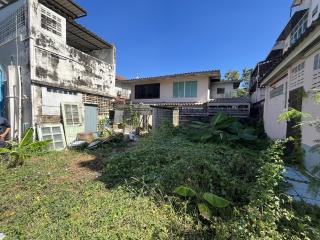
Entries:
{"x":91,"y":118}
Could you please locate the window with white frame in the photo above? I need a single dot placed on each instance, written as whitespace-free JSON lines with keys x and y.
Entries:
{"x":297,"y":75}
{"x":299,"y":29}
{"x":72,"y":114}
{"x":51,"y":22}
{"x":53,"y":133}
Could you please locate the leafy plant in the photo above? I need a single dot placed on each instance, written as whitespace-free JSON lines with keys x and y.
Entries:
{"x":222,"y":128}
{"x":19,"y":152}
{"x":204,"y":202}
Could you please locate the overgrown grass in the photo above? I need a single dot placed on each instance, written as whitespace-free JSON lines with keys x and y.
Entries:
{"x":48,"y":199}
{"x":58,"y":196}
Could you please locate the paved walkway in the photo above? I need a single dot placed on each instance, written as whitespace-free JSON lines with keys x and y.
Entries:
{"x":303,"y":187}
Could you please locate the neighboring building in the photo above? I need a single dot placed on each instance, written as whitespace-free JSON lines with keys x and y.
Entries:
{"x":294,"y":78}
{"x":178,"y":89}
{"x":123,"y":88}
{"x":188,"y":96}
{"x":64,"y":70}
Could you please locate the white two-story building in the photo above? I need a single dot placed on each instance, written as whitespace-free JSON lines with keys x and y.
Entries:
{"x":52,"y":69}
{"x":291,"y":78}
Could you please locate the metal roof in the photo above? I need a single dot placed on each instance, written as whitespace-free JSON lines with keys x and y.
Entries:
{"x":3,"y":3}
{"x":81,"y":38}
{"x":215,"y":73}
{"x":67,"y":7}
{"x":231,"y":100}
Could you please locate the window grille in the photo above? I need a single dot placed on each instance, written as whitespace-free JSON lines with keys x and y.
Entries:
{"x":51,"y":22}
{"x":297,"y":76}
{"x":316,"y":72}
{"x":8,"y":27}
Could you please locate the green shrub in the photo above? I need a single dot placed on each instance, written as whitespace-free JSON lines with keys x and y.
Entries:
{"x":248,"y":178}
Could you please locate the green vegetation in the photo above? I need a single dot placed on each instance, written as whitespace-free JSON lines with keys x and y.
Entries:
{"x":17,"y":153}
{"x":168,"y":186}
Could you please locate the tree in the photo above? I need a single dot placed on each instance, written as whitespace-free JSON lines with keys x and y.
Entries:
{"x":232,"y":75}
{"x":245,"y":79}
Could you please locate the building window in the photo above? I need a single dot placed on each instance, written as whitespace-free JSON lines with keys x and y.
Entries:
{"x":220,"y":90}
{"x":51,"y":22}
{"x":185,"y":89}
{"x":316,"y":64}
{"x":55,"y":134}
{"x":191,"y":89}
{"x":147,"y":91}
{"x":9,"y":25}
{"x":276,"y":91}
{"x":72,"y":114}
{"x":297,"y":75}
{"x":178,"y":89}
{"x":299,"y":29}
{"x":57,"y":90}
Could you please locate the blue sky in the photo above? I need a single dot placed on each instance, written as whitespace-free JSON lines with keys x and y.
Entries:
{"x":158,"y":37}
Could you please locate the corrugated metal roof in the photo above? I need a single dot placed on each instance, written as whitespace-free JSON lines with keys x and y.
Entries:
{"x":215,"y":73}
{"x":84,"y":40}
{"x":231,"y":100}
{"x":173,"y":104}
{"x":68,"y":7}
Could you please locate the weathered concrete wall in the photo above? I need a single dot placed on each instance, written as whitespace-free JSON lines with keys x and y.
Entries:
{"x":55,"y":63}
{"x":161,"y":116}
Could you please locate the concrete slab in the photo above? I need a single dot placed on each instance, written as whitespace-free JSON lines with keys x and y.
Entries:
{"x":302,"y":187}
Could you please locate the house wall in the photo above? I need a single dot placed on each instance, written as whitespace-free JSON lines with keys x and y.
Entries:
{"x":55,"y":64}
{"x":229,"y":90}
{"x":310,"y":81}
{"x":273,"y":107}
{"x":166,"y":90}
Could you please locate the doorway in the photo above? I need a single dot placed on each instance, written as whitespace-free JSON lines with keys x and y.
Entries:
{"x":91,"y":118}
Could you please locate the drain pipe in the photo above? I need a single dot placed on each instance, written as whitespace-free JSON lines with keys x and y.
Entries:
{"x":19,"y":84}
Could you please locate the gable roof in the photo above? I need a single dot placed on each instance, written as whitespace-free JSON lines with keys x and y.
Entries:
{"x":211,"y":73}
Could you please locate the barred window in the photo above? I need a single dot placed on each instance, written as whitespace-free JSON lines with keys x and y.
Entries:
{"x":51,"y":22}
{"x":15,"y":22}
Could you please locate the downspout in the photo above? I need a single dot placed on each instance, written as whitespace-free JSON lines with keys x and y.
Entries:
{"x":19,"y":84}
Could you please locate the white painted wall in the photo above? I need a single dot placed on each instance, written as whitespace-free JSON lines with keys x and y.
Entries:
{"x":229,"y":90}
{"x":166,"y":90}
{"x":273,"y":107}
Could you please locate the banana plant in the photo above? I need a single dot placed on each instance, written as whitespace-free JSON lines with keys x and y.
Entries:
{"x":222,"y":128}
{"x":19,"y":152}
{"x":205,"y":202}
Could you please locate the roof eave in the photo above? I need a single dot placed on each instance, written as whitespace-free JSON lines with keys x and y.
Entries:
{"x":214,"y":73}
